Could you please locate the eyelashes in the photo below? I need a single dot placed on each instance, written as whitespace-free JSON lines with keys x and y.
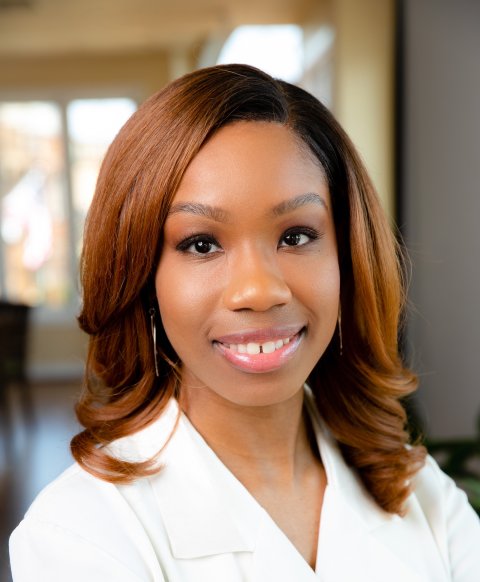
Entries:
{"x":206,"y":243}
{"x":198,"y":244}
{"x":299,"y":236}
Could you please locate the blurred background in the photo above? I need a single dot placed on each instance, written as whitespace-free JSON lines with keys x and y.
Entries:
{"x":402,"y":76}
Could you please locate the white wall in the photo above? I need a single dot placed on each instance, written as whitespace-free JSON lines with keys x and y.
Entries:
{"x":442,"y":207}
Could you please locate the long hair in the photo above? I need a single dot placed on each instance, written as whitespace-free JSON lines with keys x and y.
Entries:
{"x":358,"y":392}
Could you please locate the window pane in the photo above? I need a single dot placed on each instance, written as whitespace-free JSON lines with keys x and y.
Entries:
{"x":92,"y":125}
{"x":33,"y":227}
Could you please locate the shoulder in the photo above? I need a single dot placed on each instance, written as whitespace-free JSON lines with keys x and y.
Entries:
{"x":76,"y":499}
{"x":81,"y":527}
{"x":81,"y":505}
{"x":91,"y":507}
{"x":452,"y":521}
{"x":436,"y":492}
{"x":77,"y":528}
{"x":73,"y":497}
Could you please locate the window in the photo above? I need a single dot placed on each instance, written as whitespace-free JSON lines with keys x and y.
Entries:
{"x":50,"y":154}
{"x":277,"y":49}
{"x":286,"y":51}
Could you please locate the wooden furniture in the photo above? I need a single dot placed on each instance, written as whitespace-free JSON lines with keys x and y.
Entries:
{"x":13,"y":353}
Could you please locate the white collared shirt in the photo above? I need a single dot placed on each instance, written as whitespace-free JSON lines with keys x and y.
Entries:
{"x":195,"y":522}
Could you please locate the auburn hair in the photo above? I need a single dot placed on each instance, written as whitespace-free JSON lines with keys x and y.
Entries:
{"x":358,"y":392}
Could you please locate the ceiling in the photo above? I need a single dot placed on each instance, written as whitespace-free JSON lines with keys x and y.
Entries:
{"x":53,"y":27}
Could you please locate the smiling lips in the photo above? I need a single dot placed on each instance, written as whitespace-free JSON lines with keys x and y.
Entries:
{"x":266,"y":354}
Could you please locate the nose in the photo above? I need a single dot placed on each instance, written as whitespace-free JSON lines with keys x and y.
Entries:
{"x":255,"y":282}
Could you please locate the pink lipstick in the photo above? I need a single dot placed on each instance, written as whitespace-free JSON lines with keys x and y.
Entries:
{"x":260,"y":350}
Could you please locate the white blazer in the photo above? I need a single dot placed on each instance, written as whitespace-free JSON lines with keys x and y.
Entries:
{"x":195,"y":522}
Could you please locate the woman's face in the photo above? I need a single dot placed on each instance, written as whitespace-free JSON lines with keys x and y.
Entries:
{"x":248,"y":279}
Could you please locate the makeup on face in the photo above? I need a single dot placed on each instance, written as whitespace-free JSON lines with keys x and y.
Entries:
{"x":248,"y":279}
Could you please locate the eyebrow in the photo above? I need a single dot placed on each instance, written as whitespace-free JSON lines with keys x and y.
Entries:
{"x":219,"y":215}
{"x":213,"y":212}
{"x":297,"y":202}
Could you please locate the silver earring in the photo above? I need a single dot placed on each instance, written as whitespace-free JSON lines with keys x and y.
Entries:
{"x":153,"y":329}
{"x":340,"y":330}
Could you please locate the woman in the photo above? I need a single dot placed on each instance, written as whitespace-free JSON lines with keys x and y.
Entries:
{"x":235,"y":250}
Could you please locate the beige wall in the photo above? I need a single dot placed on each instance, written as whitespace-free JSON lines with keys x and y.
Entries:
{"x":364,"y":85}
{"x":142,"y":74}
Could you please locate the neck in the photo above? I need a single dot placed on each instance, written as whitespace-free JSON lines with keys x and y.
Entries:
{"x":264,"y":443}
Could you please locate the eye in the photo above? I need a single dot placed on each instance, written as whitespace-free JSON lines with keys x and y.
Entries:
{"x":199,"y":245}
{"x":297,"y":237}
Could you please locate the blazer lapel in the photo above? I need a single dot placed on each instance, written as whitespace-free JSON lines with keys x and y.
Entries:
{"x":358,"y":540}
{"x":206,"y":511}
{"x":276,"y":558}
{"x":350,"y":550}
{"x":210,"y":513}
{"x":194,"y":498}
{"x":195,"y":503}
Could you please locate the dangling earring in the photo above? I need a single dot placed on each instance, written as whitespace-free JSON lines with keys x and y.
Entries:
{"x":340,"y":330}
{"x":153,"y":328}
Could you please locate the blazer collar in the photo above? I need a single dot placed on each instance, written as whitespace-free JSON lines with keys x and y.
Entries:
{"x":201,"y":490}
{"x":379,"y":545}
{"x":342,"y":478}
{"x":207,"y":511}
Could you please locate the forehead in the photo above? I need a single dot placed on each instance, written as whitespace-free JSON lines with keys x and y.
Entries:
{"x":254,"y":162}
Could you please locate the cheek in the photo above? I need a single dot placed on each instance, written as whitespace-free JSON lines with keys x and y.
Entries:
{"x":324,"y":303}
{"x":326,"y":285}
{"x":318,"y":286}
{"x":320,"y":294}
{"x":169,"y":290}
{"x":183,"y":301}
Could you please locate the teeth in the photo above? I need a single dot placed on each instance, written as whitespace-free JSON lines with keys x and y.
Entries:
{"x":253,"y":348}
{"x":268,"y":347}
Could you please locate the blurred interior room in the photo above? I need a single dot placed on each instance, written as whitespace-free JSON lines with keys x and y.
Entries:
{"x":401,"y":76}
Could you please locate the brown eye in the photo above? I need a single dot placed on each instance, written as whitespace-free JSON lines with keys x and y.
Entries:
{"x":294,"y":239}
{"x":298,"y":237}
{"x":198,"y":245}
{"x":203,"y":246}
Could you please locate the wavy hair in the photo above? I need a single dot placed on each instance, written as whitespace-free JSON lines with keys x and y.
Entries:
{"x":358,"y":393}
